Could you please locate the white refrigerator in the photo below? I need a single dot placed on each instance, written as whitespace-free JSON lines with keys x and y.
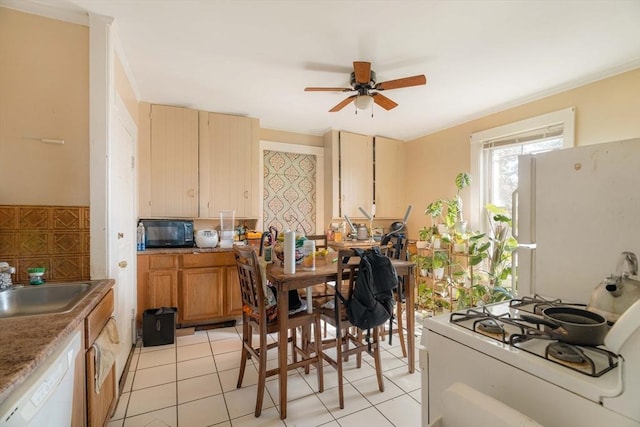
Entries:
{"x":575,"y":211}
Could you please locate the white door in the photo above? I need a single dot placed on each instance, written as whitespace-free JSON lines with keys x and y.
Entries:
{"x":122,"y":218}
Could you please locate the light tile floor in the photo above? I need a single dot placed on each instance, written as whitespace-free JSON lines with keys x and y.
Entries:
{"x":192,"y":383}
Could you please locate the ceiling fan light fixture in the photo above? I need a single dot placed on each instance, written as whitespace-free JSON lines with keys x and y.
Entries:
{"x":363,"y":102}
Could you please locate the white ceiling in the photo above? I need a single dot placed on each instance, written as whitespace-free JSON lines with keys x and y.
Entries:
{"x":255,"y":58}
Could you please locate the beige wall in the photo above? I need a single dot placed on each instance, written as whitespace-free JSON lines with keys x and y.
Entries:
{"x":606,"y":110}
{"x":124,"y":89}
{"x":44,"y":93}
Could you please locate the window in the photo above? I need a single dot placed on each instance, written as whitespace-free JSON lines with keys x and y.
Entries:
{"x":494,"y":156}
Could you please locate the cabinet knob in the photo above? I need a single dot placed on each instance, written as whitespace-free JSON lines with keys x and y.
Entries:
{"x":122,"y":264}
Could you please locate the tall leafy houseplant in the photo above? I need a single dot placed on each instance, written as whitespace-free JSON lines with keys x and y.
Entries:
{"x":453,"y":214}
{"x":434,"y":210}
{"x":491,"y":257}
{"x":463,"y":179}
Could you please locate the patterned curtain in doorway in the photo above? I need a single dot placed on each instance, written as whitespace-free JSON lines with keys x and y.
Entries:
{"x":289,"y":193}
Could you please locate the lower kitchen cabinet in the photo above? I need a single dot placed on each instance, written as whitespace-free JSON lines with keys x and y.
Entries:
{"x":100,"y":405}
{"x":233,"y":296}
{"x":157,"y":282}
{"x":201,"y":294}
{"x":204,"y":286}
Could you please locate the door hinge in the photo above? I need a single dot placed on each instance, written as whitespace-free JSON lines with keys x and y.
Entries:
{"x":133,"y":162}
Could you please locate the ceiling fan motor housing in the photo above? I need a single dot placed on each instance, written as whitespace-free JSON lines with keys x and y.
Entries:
{"x":366,"y":86}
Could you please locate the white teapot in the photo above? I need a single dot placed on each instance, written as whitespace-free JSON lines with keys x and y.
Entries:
{"x":614,"y":295}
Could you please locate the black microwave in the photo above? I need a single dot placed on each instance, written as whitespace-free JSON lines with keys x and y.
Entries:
{"x":168,"y":233}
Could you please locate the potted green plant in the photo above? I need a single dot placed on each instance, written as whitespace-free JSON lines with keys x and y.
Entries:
{"x":424,"y":234}
{"x":459,"y":241}
{"x":438,"y":262}
{"x":423,"y":263}
{"x":434,"y":210}
{"x":463,"y":179}
{"x":491,"y":255}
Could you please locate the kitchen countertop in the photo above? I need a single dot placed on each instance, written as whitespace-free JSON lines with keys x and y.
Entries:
{"x":193,"y":250}
{"x":27,"y":341}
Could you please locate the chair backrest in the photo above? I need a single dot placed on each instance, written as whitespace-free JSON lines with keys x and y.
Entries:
{"x":348,"y":262}
{"x":397,"y":248}
{"x":320,"y":239}
{"x":251,"y":286}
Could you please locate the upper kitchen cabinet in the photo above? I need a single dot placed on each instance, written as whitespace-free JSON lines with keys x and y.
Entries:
{"x":229,"y":147}
{"x":355,"y":173}
{"x":360,"y":169}
{"x":168,"y":162}
{"x":389,"y":178}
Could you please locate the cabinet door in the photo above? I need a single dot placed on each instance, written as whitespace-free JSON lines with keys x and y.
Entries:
{"x":163,"y":288}
{"x":142,"y":287}
{"x":201,"y":294}
{"x":174,"y":162}
{"x":229,"y":165}
{"x":99,"y":405}
{"x":356,"y":173}
{"x":233,"y":296}
{"x":389,"y":178}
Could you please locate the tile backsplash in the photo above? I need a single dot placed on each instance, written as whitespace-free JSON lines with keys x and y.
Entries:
{"x":54,"y":237}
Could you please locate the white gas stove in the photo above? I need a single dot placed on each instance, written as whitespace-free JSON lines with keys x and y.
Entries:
{"x":492,"y":350}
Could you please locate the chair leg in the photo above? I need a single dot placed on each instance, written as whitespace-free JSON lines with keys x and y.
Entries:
{"x":244,"y":355}
{"x":262,"y":372}
{"x":306,"y":344}
{"x":376,"y":358}
{"x":339,"y":365}
{"x":400,"y":328}
{"x":318,"y":351}
{"x":294,"y":343}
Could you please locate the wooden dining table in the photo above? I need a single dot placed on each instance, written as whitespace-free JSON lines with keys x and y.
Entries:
{"x":327,"y":273}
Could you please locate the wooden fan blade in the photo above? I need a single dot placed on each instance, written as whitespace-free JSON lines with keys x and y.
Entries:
{"x":343,"y":103}
{"x":362,"y":71}
{"x":404,"y":82}
{"x":327,"y":89}
{"x":383,"y":101}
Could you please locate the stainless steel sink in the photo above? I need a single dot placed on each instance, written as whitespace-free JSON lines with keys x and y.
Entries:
{"x":42,"y":299}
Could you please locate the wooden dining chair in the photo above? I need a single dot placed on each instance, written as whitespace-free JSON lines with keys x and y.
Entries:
{"x":322,"y":289}
{"x":397,"y":249}
{"x":349,"y":339}
{"x":254,"y":318}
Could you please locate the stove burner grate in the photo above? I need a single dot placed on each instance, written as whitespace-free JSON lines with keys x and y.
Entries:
{"x":487,"y":323}
{"x":572,"y":356}
{"x":565,"y":352}
{"x":491,"y":326}
{"x":537,"y":303}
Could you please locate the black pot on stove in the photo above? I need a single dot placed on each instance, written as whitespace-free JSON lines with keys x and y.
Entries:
{"x":572,"y":325}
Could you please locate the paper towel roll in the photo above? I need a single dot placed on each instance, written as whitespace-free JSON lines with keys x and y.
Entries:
{"x":289,"y":252}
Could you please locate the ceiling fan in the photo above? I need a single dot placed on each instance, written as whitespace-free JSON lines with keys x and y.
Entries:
{"x":363,"y":81}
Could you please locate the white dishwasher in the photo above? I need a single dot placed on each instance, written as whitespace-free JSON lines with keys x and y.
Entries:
{"x":46,"y":397}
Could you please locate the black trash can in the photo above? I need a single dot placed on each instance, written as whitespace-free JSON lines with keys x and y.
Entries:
{"x":159,"y":326}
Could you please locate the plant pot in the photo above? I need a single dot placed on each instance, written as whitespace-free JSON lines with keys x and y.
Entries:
{"x":459,"y":247}
{"x":436,"y":243}
{"x":422,"y":244}
{"x":424,"y":272}
{"x":442,"y":229}
{"x":460,"y":226}
{"x":438,"y":273}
